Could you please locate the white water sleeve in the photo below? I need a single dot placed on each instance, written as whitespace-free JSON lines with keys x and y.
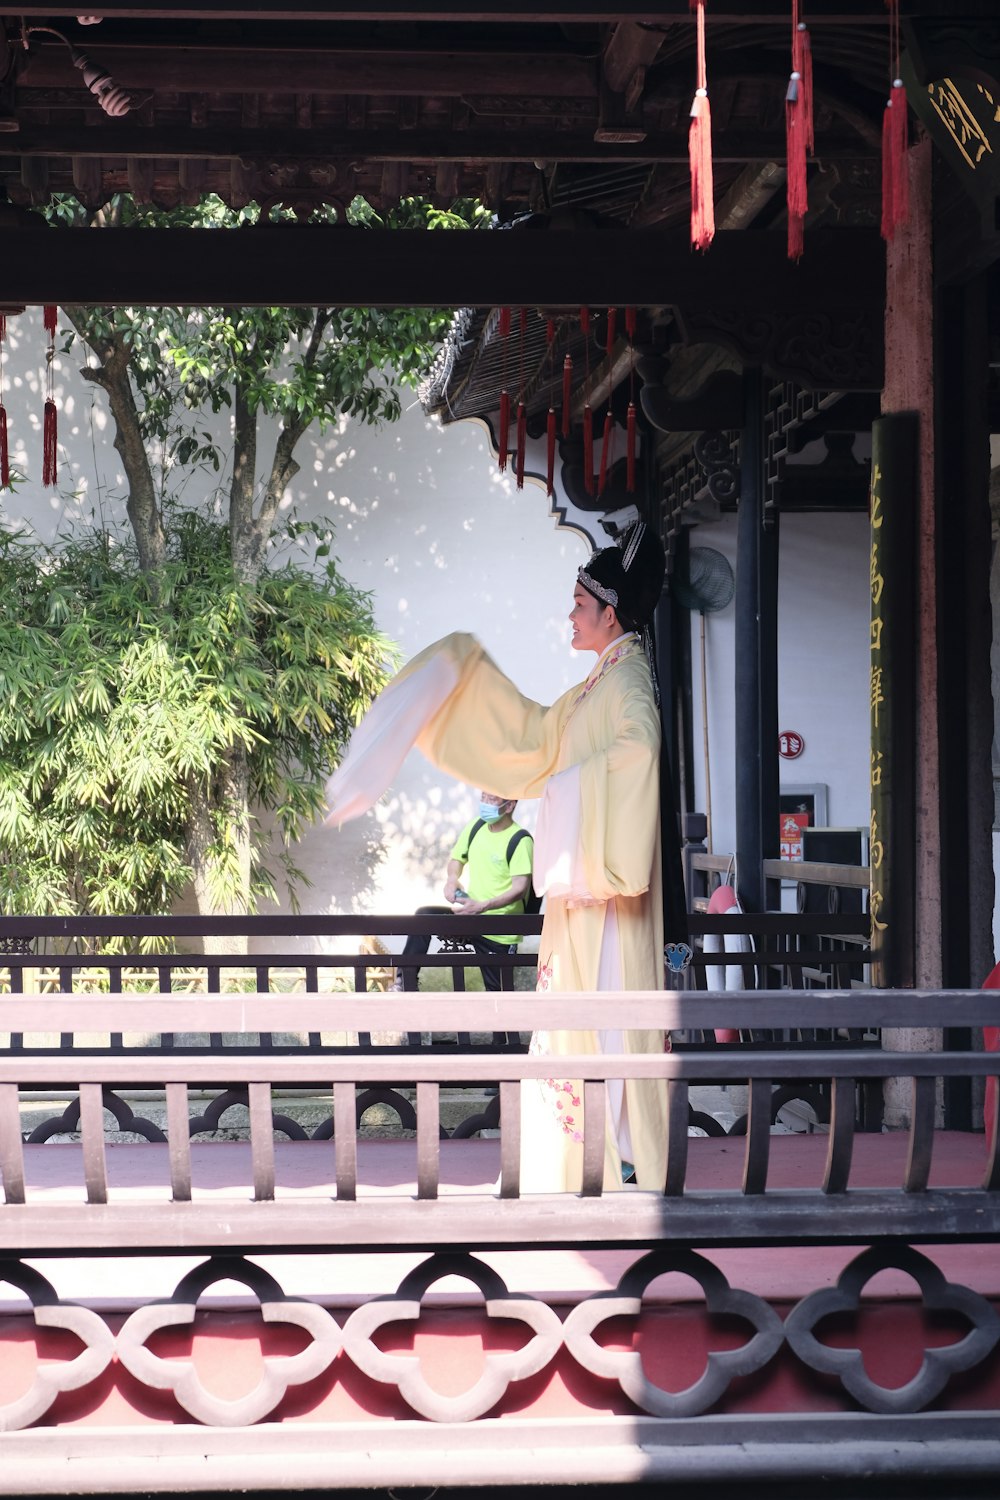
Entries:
{"x":384,"y":737}
{"x":558,"y":857}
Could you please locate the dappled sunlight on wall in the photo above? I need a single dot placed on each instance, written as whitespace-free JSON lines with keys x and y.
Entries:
{"x":421,"y":519}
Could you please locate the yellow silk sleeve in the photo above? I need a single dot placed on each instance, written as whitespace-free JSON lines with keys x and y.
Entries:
{"x":486,"y":732}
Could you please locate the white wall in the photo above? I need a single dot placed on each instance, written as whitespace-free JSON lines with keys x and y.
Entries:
{"x":423,"y":521}
{"x":823,"y":668}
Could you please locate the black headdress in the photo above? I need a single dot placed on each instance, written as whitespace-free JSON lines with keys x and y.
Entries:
{"x":629,"y":577}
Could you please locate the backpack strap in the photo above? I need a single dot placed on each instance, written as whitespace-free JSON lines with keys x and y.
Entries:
{"x":515,"y":839}
{"x":479,"y":823}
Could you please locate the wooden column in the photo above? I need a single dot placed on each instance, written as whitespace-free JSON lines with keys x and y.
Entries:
{"x":756,"y":716}
{"x":909,"y":387}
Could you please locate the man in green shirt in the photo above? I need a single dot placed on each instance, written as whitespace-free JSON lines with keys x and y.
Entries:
{"x":489,"y":871}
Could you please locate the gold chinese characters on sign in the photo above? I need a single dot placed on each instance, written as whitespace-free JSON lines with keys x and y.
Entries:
{"x":877,"y":692}
{"x":961,"y":121}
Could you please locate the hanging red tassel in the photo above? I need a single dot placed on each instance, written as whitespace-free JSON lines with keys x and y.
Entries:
{"x":606,"y":446}
{"x":567,"y":393}
{"x":805,"y":67}
{"x":700,"y":148}
{"x":4,"y":455}
{"x":503,"y":325}
{"x":49,"y":443}
{"x":588,"y":450}
{"x":584,"y":319}
{"x":612,"y":319}
{"x":50,"y":319}
{"x":550,"y":443}
{"x":504,"y":429}
{"x":895,"y":176}
{"x":631,"y":322}
{"x":796,"y":142}
{"x":3,"y":327}
{"x":630,"y":449}
{"x":522,"y":442}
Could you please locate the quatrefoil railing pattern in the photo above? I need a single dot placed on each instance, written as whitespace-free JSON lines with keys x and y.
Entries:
{"x":357,"y":1337}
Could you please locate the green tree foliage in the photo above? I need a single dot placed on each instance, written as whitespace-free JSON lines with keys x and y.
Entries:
{"x":117,"y":699}
{"x":160,"y":683}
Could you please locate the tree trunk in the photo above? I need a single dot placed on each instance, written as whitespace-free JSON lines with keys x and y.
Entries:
{"x":220,"y":863}
{"x":112,"y":375}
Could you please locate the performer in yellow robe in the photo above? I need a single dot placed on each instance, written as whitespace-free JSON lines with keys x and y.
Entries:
{"x":593,"y":758}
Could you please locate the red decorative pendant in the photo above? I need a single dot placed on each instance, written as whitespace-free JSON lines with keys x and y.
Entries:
{"x":567,"y":394}
{"x":504,"y":429}
{"x":895,"y":176}
{"x":700,"y":147}
{"x":522,"y":442}
{"x":630,"y":449}
{"x":606,"y":446}
{"x":588,"y":450}
{"x":4,"y":455}
{"x":49,"y":444}
{"x":550,"y":443}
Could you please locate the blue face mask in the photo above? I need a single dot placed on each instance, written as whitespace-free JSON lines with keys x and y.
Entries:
{"x":488,"y":812}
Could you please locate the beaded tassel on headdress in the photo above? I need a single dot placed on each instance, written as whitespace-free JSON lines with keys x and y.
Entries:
{"x":700,"y":147}
{"x":630,"y":415}
{"x":522,"y":411}
{"x":504,"y":329}
{"x":895,"y":178}
{"x":588,"y":420}
{"x":49,"y":433}
{"x":608,"y":440}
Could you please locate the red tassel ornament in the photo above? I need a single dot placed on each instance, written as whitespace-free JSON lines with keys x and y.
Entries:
{"x":550,"y":453}
{"x":606,"y":446}
{"x":895,"y":176}
{"x":588,"y":450}
{"x":798,"y":133}
{"x":504,"y":429}
{"x":50,"y":318}
{"x":522,"y":443}
{"x":700,"y":148}
{"x":49,"y":444}
{"x":630,"y":449}
{"x":612,"y":320}
{"x":895,"y":139}
{"x":567,"y":394}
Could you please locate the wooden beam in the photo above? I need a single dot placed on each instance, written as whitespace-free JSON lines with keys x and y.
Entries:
{"x":246,"y":68}
{"x":558,"y":12}
{"x":419,"y":268}
{"x":631,"y":47}
{"x":474,"y":147}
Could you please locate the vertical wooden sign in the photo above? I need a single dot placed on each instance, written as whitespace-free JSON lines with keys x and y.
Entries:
{"x":892,"y":696}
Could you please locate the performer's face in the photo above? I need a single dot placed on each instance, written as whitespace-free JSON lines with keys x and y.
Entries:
{"x":593,"y":623}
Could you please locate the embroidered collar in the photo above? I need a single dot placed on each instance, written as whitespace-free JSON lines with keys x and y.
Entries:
{"x":626,"y":645}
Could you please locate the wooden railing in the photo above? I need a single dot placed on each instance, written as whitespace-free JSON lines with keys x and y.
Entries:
{"x":751,"y":1214}
{"x":313,"y":1202}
